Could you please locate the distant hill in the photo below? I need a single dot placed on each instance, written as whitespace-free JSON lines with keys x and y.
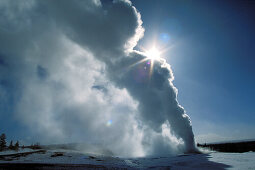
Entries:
{"x":232,"y":141}
{"x":233,"y":146}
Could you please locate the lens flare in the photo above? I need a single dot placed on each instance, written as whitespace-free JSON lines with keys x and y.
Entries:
{"x":109,"y":123}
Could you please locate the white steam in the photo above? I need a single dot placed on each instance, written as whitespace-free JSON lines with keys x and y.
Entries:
{"x":68,"y":71}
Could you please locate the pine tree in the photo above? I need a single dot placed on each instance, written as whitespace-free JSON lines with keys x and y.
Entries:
{"x":16,"y":145}
{"x":11,"y":145}
{"x":2,"y":142}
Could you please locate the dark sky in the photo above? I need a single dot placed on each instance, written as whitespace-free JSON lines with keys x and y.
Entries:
{"x":212,"y":57}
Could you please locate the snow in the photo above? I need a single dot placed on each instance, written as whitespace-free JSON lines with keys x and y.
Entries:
{"x":210,"y":160}
{"x":14,"y":152}
{"x":235,"y":160}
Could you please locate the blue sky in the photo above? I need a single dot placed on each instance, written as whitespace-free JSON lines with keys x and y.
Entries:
{"x":212,"y":57}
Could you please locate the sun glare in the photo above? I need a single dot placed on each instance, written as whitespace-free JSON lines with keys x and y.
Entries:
{"x":153,"y":54}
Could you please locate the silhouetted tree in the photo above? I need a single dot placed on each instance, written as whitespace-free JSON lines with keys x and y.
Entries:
{"x":35,"y":146}
{"x":16,"y":145}
{"x":11,"y":145}
{"x":2,"y":142}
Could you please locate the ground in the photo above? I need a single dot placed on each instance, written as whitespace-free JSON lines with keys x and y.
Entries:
{"x":66,"y":159}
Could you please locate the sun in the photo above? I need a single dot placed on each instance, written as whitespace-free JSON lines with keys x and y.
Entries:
{"x":150,"y":57}
{"x":153,"y":54}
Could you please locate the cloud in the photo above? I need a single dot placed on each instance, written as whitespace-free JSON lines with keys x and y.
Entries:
{"x":67,"y":70}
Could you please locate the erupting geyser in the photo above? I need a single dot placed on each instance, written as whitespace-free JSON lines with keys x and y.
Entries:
{"x":152,"y":87}
{"x":69,"y":71}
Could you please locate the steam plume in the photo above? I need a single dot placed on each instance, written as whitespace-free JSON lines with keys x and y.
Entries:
{"x":70,"y":74}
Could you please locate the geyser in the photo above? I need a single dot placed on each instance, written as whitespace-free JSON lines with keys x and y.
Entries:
{"x":156,"y":94}
{"x":69,"y":73}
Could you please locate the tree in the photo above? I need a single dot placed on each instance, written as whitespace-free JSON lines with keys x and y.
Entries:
{"x":2,"y":142}
{"x":16,"y":145}
{"x":11,"y":145}
{"x":35,"y":146}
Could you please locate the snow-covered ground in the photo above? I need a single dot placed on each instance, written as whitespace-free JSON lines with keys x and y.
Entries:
{"x":235,"y":160}
{"x":14,"y":152}
{"x":211,"y":160}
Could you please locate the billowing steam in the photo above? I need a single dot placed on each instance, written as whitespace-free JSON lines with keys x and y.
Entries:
{"x":156,"y":95}
{"x":68,"y":72}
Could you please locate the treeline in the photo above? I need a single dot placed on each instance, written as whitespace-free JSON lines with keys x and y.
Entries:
{"x":238,"y":147}
{"x":16,"y":146}
{"x":3,"y":144}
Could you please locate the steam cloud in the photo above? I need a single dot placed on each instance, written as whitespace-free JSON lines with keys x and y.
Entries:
{"x":68,"y":71}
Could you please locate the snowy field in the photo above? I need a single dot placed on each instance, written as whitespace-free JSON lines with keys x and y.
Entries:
{"x":211,"y":160}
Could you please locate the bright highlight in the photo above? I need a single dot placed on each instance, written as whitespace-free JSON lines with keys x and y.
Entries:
{"x":109,"y":123}
{"x":153,"y":54}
